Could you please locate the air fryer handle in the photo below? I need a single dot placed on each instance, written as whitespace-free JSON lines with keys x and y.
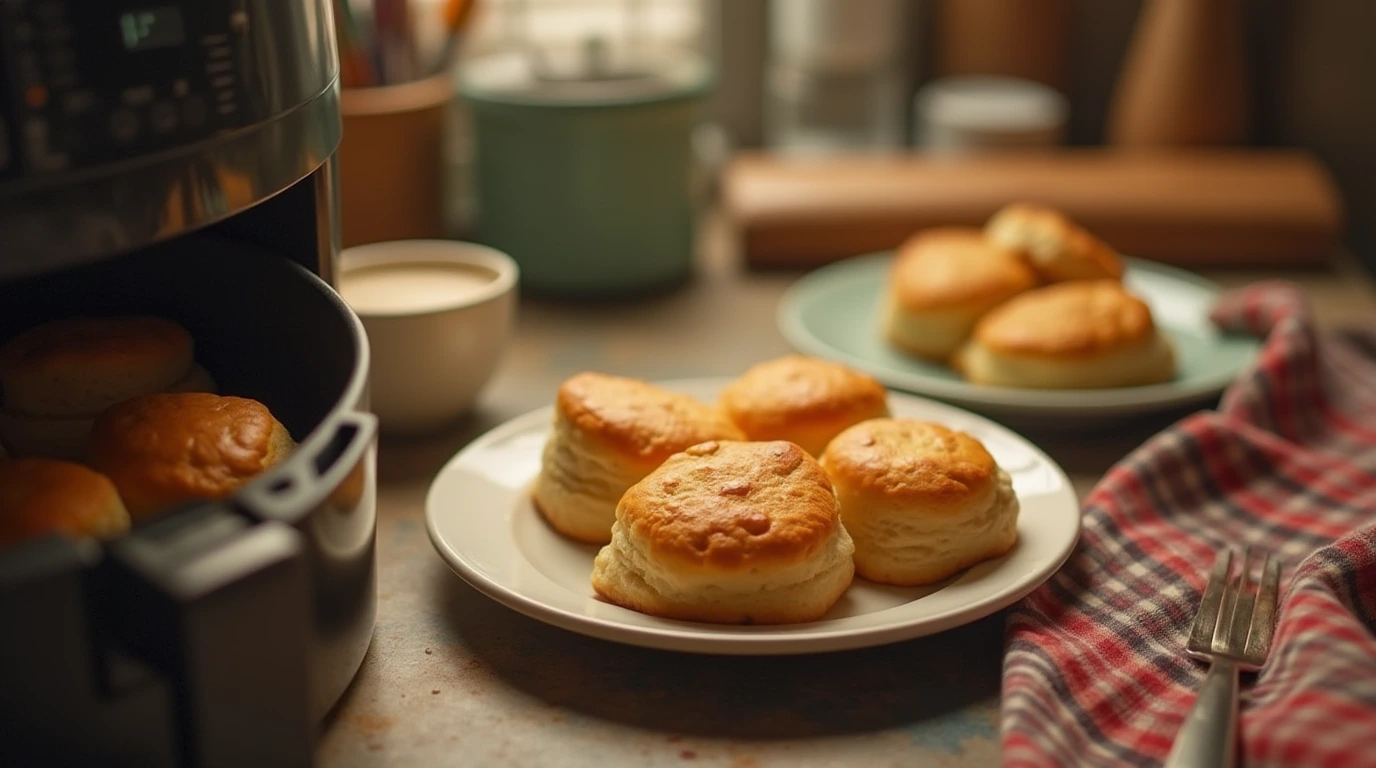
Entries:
{"x":351,"y":433}
{"x":318,"y":466}
{"x":222,"y":608}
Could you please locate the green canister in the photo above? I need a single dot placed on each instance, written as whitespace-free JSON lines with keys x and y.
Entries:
{"x":586,"y":174}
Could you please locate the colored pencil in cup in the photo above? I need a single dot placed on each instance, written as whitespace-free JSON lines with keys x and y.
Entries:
{"x":457,"y":14}
{"x":395,"y":40}
{"x":355,"y":67}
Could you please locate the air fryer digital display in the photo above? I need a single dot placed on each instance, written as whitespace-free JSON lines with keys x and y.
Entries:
{"x":152,"y":28}
{"x":87,"y":83}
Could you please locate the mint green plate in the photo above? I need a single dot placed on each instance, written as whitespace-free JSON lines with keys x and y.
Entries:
{"x":832,"y":312}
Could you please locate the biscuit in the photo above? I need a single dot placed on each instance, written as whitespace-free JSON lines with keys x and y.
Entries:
{"x":941,"y":282}
{"x":168,"y":449}
{"x":803,"y":400}
{"x":1056,"y":247}
{"x":1086,"y":334}
{"x":66,"y":438}
{"x":609,"y":432}
{"x":921,"y":501}
{"x":79,"y":366}
{"x":39,"y":497}
{"x":729,"y":532}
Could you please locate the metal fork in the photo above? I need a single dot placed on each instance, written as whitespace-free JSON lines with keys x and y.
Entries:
{"x":1233,"y":631}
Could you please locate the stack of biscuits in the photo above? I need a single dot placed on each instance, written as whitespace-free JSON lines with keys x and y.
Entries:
{"x":1030,"y":300}
{"x":763,"y":506}
{"x":109,"y":421}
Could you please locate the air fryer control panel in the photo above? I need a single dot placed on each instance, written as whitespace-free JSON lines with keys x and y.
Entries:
{"x":86,"y":83}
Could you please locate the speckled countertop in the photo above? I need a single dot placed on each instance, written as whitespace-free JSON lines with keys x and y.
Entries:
{"x":453,"y":678}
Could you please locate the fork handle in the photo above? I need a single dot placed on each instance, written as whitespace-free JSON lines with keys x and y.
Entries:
{"x":1208,"y":738}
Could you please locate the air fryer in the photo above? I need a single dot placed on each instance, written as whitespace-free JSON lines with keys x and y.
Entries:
{"x":224,"y":631}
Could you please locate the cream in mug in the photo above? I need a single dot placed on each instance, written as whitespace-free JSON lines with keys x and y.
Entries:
{"x":412,"y":286}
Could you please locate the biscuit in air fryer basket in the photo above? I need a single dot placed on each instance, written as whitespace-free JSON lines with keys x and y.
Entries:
{"x":57,"y":376}
{"x":171,"y":448}
{"x":39,"y":497}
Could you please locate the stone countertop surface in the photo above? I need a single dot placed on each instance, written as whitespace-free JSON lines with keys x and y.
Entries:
{"x":453,"y":678}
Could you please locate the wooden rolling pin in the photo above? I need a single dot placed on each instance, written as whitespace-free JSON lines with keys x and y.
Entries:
{"x":1184,"y":80}
{"x":1191,"y":207}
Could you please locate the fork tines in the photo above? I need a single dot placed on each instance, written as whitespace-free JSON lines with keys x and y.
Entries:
{"x":1236,"y":617}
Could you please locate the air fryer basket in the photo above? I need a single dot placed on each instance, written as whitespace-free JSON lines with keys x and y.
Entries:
{"x":223,"y":631}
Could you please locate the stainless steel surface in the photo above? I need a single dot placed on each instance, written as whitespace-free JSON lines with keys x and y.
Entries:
{"x":332,"y":501}
{"x":287,"y":75}
{"x":205,"y":579}
{"x":300,"y":223}
{"x":327,"y":232}
{"x":1233,"y":629}
{"x":60,"y":227}
{"x":1233,"y":622}
{"x":59,"y":671}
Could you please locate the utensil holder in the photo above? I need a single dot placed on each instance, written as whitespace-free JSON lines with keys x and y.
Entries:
{"x":392,"y":161}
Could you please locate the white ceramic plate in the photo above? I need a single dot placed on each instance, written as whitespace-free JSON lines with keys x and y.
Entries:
{"x":482,"y":522}
{"x":832,"y":312}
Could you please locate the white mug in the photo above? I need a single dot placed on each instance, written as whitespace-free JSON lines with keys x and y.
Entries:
{"x":439,"y":314}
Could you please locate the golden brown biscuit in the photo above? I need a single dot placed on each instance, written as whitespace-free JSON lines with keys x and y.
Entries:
{"x":43,"y":496}
{"x":56,"y":377}
{"x":803,"y":400}
{"x":1076,"y":335}
{"x":609,"y":432}
{"x":66,"y":438}
{"x":729,"y":532}
{"x":942,"y":281}
{"x":921,"y":501}
{"x":166,"y":449}
{"x":78,"y":366}
{"x":1056,"y":247}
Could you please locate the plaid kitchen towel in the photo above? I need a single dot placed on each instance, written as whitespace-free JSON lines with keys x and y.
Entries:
{"x":1094,"y":672}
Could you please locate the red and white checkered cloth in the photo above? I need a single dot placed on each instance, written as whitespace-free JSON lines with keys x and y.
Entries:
{"x":1094,"y":673}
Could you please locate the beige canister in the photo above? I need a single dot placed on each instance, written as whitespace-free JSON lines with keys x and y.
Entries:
{"x":392,"y":162}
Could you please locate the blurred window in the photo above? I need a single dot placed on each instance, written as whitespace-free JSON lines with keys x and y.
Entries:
{"x":501,"y":24}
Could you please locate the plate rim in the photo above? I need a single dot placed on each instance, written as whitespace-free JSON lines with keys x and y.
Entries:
{"x":698,"y":637}
{"x":1152,"y":397}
